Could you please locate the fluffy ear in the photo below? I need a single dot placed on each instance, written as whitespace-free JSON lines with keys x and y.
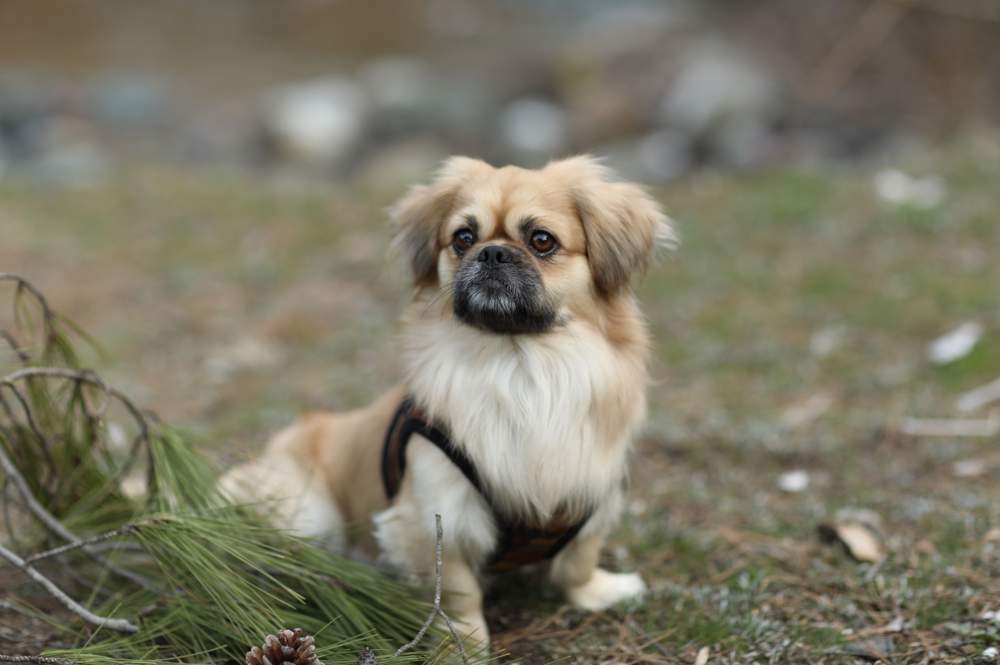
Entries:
{"x":624,"y":225}
{"x":420,"y":213}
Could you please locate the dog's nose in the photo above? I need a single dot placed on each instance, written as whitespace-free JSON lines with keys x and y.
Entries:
{"x":495,"y":254}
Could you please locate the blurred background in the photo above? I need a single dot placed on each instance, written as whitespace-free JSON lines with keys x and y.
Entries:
{"x":202,"y":186}
{"x":347,"y":88}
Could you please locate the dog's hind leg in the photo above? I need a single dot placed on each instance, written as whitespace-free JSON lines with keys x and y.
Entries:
{"x":286,"y":493}
{"x":586,"y":585}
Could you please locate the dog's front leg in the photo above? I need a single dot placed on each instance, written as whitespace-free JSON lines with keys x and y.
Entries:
{"x":587,"y":586}
{"x":462,"y":599}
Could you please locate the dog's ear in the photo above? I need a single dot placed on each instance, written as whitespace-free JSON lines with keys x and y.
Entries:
{"x":623,"y":224}
{"x":420,"y":213}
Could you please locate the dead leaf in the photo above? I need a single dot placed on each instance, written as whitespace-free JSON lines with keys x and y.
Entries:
{"x":955,"y":344}
{"x":860,"y":539}
{"x":806,"y":411}
{"x":874,"y":649}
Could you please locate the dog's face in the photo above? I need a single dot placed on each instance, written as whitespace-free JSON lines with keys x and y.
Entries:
{"x":520,"y":251}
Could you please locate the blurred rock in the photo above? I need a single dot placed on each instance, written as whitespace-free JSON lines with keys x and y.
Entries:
{"x":895,"y":186}
{"x":26,"y":105}
{"x":727,"y":101}
{"x":653,"y":159}
{"x":319,"y":123}
{"x":129,"y":100}
{"x":67,"y":151}
{"x":403,"y":93}
{"x":395,"y":166}
{"x":533,"y":129}
{"x":465,"y":113}
{"x":716,"y":83}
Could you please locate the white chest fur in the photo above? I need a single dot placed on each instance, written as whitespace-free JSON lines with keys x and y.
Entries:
{"x":547,"y":420}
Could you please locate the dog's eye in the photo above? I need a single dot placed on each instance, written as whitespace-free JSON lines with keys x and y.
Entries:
{"x":543,"y":242}
{"x":463,"y":240}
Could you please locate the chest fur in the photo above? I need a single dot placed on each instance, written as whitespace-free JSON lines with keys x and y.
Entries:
{"x":547,"y":420}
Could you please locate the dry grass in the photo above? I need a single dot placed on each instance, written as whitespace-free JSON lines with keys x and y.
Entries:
{"x":791,"y":334}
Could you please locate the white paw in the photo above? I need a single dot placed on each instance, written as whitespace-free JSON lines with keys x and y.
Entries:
{"x":605,"y":589}
{"x":472,"y":629}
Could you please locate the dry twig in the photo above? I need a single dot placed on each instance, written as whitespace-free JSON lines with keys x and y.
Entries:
{"x":120,"y":625}
{"x":57,"y":527}
{"x":88,"y":543}
{"x":436,"y":610}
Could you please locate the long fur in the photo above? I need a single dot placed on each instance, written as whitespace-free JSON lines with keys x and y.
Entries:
{"x":547,"y":418}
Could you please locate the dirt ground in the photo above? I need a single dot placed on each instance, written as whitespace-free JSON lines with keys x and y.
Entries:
{"x":792,"y":332}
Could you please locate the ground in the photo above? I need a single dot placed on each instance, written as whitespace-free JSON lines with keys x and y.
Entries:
{"x":791,"y":334}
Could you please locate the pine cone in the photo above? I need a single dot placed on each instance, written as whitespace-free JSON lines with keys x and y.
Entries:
{"x":289,"y":646}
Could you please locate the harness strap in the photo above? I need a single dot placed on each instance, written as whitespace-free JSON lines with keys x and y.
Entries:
{"x":520,"y":544}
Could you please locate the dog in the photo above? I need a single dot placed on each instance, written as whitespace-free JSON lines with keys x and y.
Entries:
{"x":524,"y":357}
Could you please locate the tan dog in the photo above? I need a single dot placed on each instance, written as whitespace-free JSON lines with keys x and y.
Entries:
{"x":525,"y":346}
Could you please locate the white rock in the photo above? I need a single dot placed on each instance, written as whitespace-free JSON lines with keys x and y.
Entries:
{"x":955,"y":344}
{"x":990,"y":653}
{"x":968,"y":468}
{"x":534,"y":126}
{"x":794,"y":481}
{"x":320,"y":123}
{"x":655,"y":158}
{"x":895,"y":186}
{"x":715,"y":83}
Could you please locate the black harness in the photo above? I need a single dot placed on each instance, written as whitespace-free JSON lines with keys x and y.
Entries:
{"x":520,"y":543}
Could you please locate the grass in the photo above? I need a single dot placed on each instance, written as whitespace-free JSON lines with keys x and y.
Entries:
{"x":233,"y":302}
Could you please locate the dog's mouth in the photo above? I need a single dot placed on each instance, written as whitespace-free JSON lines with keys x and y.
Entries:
{"x":507,"y":300}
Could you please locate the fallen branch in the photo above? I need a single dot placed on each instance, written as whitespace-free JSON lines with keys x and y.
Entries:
{"x":436,"y":610}
{"x":979,"y":397}
{"x":951,"y":427}
{"x":120,"y":625}
{"x":88,"y":543}
{"x":57,"y":527}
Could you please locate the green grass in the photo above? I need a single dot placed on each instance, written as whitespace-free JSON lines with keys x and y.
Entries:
{"x":170,"y":269}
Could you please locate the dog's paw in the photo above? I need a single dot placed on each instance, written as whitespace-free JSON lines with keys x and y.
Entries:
{"x":605,"y":589}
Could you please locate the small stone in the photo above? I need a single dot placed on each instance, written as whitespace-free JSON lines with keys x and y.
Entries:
{"x":318,"y":123}
{"x":794,"y":481}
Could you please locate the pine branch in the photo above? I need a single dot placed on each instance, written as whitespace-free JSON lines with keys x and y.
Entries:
{"x":36,"y":660}
{"x":57,"y":527}
{"x":120,"y":625}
